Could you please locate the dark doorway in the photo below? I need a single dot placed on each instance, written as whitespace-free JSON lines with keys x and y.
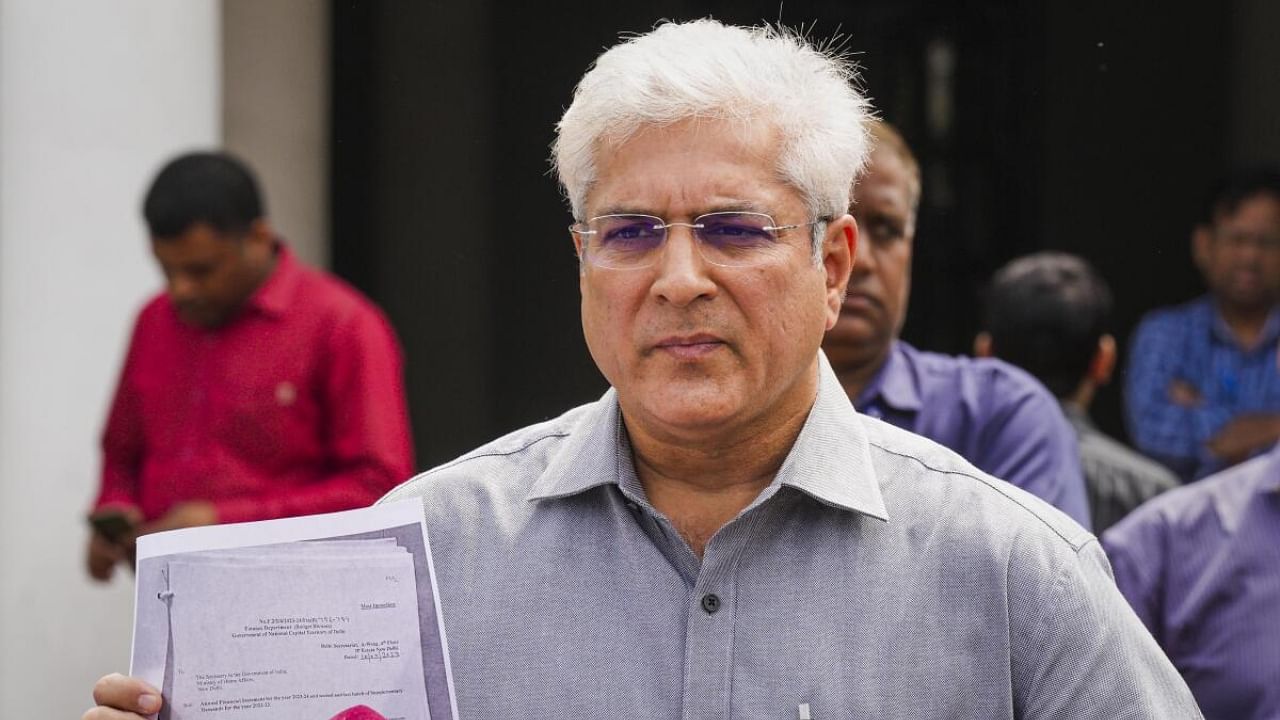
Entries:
{"x":1060,"y":125}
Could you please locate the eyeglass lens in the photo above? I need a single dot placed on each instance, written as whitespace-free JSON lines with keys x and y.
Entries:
{"x":731,"y":239}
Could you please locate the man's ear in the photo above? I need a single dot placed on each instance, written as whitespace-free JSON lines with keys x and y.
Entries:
{"x":260,"y":241}
{"x":577,"y":250}
{"x":982,"y":345}
{"x":839,"y":247}
{"x":1103,"y":363}
{"x":1201,"y":238}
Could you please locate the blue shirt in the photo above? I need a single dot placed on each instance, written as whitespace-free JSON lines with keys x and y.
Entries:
{"x":1193,"y":344}
{"x":879,"y":575}
{"x":994,"y":414}
{"x":1201,"y":566}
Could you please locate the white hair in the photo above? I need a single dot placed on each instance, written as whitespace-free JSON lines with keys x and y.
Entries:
{"x":704,"y":69}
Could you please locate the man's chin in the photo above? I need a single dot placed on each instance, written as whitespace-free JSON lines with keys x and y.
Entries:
{"x":1249,"y":298}
{"x":849,"y":346}
{"x":199,"y":319}
{"x":689,"y":405}
{"x":853,"y":333}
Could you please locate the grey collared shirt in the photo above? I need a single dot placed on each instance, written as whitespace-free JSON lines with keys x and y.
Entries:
{"x":1117,"y":478}
{"x":879,"y":576}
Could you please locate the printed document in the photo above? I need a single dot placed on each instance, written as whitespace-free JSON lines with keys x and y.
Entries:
{"x":328,"y":616}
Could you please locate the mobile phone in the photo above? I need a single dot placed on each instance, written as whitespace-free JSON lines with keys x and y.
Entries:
{"x":111,"y":525}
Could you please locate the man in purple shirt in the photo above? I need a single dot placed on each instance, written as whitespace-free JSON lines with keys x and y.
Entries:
{"x":995,"y":415}
{"x":1200,"y":566}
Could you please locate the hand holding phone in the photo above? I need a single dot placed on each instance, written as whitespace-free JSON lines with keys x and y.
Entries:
{"x":113,"y":525}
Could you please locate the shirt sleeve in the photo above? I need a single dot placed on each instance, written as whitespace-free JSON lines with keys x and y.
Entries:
{"x":122,"y":438}
{"x":1085,"y":655}
{"x":1136,"y":548}
{"x":367,"y":428}
{"x":1031,"y":444}
{"x":1169,"y":432}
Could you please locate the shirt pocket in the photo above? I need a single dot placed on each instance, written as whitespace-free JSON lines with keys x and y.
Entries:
{"x":257,"y":421}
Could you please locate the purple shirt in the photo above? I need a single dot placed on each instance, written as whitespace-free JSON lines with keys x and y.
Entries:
{"x":998,"y":417}
{"x":1201,"y":566}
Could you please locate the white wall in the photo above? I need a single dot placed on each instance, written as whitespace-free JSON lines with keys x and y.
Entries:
{"x":93,"y":97}
{"x":275,"y":102}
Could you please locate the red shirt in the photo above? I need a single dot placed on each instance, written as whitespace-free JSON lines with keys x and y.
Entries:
{"x":296,"y":406}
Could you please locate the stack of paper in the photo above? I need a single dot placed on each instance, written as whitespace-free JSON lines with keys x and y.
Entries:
{"x":314,"y":628}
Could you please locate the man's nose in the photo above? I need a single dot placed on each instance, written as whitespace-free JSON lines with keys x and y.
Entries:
{"x":181,"y":288}
{"x":1250,"y":249}
{"x":682,"y":270}
{"x":864,"y":259}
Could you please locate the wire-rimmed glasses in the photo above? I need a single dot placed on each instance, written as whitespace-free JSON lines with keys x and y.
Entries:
{"x":728,"y":239}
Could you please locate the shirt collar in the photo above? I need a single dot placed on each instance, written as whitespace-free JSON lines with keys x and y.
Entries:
{"x":590,"y":456}
{"x":1271,"y":477}
{"x":1222,"y":332}
{"x":1076,"y":415}
{"x":274,"y":296}
{"x":895,"y":384}
{"x":830,"y":460}
{"x":1271,"y":330}
{"x":1233,"y":491}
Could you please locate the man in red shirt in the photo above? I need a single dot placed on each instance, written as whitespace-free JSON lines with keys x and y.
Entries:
{"x":254,"y":387}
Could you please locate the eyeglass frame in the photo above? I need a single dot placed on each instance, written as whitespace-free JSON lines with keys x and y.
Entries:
{"x":1236,"y":241}
{"x":579,"y":228}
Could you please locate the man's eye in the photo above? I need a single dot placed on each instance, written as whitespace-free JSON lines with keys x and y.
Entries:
{"x":734,"y":231}
{"x":730,"y":230}
{"x":636,"y":231}
{"x":732,"y":227}
{"x":884,"y":232}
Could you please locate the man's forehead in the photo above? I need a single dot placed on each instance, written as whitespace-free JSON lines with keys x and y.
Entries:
{"x":193,"y":246}
{"x":1261,"y":205}
{"x":715,"y":193}
{"x":697,"y":204}
{"x":751,"y":132}
{"x":703,"y":165}
{"x":886,"y":176}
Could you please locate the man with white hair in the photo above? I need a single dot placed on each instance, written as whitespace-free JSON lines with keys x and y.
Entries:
{"x":721,"y":534}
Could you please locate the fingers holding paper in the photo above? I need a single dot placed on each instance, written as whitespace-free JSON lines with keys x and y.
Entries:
{"x":122,"y":698}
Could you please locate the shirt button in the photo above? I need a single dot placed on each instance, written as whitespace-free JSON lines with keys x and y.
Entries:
{"x":632,"y":506}
{"x":711,"y":603}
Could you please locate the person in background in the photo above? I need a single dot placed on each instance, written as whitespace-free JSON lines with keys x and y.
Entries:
{"x":721,"y":534}
{"x":1200,"y":567}
{"x":1048,"y":313}
{"x":1203,"y":385}
{"x":995,"y":415}
{"x":253,"y":388}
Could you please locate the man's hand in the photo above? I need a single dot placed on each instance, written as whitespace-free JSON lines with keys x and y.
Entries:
{"x":123,"y":698}
{"x":104,"y":553}
{"x":103,"y":556}
{"x":1245,"y":435}
{"x":1184,"y":394}
{"x":183,"y":515}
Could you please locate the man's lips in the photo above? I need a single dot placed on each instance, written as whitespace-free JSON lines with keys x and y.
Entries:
{"x":859,"y":301}
{"x":689,"y":346}
{"x":1246,"y":276}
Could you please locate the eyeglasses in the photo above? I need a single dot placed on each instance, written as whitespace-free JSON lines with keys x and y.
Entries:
{"x":728,"y":239}
{"x":1241,"y":240}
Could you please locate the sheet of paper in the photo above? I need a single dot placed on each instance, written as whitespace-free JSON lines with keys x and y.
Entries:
{"x":295,"y":618}
{"x":333,"y":632}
